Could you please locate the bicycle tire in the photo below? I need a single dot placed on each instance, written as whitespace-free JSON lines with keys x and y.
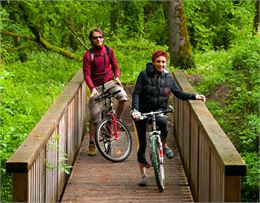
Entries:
{"x":110,"y":148}
{"x":157,"y":166}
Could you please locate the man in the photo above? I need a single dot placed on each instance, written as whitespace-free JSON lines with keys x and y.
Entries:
{"x":102,"y":74}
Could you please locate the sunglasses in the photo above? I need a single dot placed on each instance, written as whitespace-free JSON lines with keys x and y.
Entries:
{"x":97,"y":37}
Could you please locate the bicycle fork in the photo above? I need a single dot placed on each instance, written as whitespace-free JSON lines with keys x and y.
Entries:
{"x":157,"y":136}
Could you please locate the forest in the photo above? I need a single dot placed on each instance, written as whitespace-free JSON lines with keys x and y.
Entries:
{"x":215,"y":43}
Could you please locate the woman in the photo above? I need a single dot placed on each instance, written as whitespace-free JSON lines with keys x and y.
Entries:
{"x":151,"y":93}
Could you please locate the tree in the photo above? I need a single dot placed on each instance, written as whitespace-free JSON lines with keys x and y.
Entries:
{"x":179,"y":43}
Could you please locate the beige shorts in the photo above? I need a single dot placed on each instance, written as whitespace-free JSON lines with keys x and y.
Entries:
{"x":96,"y":107}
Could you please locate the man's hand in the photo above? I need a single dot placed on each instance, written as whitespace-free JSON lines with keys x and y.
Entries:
{"x":94,"y":92}
{"x":201,"y":97}
{"x":118,"y":81}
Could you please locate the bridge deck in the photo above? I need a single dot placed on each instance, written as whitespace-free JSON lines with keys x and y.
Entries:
{"x":94,"y":179}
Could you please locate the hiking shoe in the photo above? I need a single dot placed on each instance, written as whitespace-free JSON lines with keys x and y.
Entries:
{"x":143,"y":181}
{"x":92,"y":149}
{"x":168,"y":152}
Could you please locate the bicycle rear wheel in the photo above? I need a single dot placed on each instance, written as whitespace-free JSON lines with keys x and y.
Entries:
{"x":157,"y":165}
{"x":112,"y":149}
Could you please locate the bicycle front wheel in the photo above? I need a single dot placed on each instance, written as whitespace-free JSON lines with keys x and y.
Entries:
{"x":157,"y":165}
{"x":111,"y":147}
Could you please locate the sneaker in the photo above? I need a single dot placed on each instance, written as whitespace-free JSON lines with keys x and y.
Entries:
{"x":92,"y":149}
{"x":143,"y":181}
{"x":168,"y":152}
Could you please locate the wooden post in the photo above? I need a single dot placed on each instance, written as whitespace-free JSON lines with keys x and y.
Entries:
{"x":20,"y":187}
{"x":232,"y":185}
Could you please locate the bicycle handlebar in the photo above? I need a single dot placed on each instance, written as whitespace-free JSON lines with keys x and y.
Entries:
{"x":154,"y":113}
{"x":106,"y":95}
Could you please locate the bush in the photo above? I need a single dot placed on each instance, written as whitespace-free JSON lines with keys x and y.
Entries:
{"x":238,"y":70}
{"x":27,"y":91}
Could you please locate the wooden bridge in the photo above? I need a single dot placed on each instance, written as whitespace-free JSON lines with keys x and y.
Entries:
{"x":207,"y":167}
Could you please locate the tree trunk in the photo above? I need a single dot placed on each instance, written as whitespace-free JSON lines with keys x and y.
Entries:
{"x":179,"y":42}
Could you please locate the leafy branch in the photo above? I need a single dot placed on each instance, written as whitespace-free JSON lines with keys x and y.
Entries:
{"x":53,"y":146}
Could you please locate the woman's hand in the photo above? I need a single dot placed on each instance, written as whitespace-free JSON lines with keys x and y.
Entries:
{"x":201,"y":97}
{"x":136,"y":115}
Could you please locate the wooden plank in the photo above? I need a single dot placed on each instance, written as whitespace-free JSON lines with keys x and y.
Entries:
{"x":204,"y":169}
{"x":76,"y":127}
{"x":217,"y":179}
{"x":62,"y":131}
{"x":180,"y":128}
{"x":176,"y":118}
{"x":186,"y":138}
{"x":42,"y":173}
{"x":70,"y":140}
{"x":194,"y":165}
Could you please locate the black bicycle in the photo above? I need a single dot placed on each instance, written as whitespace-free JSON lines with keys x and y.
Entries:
{"x":157,"y":155}
{"x":113,"y":139}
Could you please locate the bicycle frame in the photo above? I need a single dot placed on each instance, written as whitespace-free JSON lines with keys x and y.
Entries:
{"x":108,"y":111}
{"x":112,"y":137}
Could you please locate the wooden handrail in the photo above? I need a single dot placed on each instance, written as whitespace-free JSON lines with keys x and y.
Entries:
{"x":62,"y":126}
{"x":211,"y":162}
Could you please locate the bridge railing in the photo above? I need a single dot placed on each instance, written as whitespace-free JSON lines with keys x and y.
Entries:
{"x":212,"y":164}
{"x":35,"y":166}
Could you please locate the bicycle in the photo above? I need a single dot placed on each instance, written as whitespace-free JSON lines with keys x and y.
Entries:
{"x":112,"y":137}
{"x":157,"y":155}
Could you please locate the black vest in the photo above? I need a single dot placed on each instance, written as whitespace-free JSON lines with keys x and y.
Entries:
{"x":155,"y":92}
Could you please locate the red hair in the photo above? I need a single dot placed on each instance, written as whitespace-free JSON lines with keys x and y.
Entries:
{"x":159,"y":53}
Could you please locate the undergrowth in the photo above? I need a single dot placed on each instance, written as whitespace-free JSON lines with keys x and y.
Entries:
{"x":237,"y":69}
{"x":27,"y":90}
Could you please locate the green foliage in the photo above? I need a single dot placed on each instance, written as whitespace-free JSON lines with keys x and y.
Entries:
{"x":57,"y":24}
{"x":27,"y":91}
{"x":63,"y":157}
{"x":250,"y":183}
{"x":155,"y":23}
{"x":31,"y":79}
{"x":215,"y":24}
{"x":132,"y":56}
{"x":238,"y":71}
